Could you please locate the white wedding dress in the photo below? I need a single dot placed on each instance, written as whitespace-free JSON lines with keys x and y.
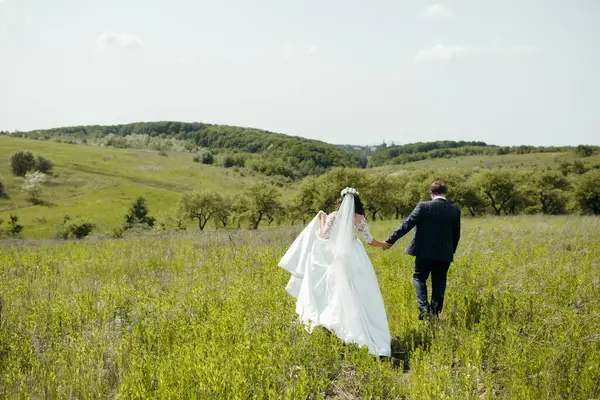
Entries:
{"x":334,"y":282}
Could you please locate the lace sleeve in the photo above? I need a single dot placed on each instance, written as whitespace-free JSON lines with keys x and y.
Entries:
{"x":328,"y":225}
{"x":363,"y":228}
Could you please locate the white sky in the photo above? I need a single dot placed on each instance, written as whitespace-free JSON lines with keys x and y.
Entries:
{"x":501,"y":71}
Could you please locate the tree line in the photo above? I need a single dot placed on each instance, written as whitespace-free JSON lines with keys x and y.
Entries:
{"x":390,"y":155}
{"x":497,"y":192}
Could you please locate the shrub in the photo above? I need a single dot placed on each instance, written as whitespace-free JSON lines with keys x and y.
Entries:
{"x":117,"y":233}
{"x":207,"y":158}
{"x":44,"y":164}
{"x":74,"y":229}
{"x":14,"y":227}
{"x":138,"y":215}
{"x":233,"y":160}
{"x":163,"y":153}
{"x":2,"y":188}
{"x":22,"y":162}
{"x":228,"y":161}
{"x":33,"y":185}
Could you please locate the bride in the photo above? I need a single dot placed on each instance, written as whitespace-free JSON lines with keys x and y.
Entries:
{"x":333,"y":279}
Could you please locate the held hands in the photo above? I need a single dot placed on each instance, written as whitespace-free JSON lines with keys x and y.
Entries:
{"x":383,"y":245}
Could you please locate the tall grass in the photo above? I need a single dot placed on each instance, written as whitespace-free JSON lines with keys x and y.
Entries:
{"x":208,"y":317}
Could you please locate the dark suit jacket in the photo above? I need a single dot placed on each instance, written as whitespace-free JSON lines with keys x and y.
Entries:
{"x":437,"y":230}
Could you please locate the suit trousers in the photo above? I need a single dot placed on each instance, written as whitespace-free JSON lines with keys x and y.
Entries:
{"x":439,"y":271}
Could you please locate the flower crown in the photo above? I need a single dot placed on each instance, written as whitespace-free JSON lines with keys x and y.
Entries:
{"x":349,"y":190}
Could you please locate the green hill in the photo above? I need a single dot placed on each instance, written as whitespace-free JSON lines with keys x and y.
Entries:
{"x":276,"y":154}
{"x":100,"y":183}
{"x":265,"y":152}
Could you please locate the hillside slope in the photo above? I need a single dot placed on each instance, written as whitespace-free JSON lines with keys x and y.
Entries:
{"x":100,"y":183}
{"x":266,"y":152}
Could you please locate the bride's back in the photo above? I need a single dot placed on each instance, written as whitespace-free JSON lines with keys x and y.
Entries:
{"x":358,"y":218}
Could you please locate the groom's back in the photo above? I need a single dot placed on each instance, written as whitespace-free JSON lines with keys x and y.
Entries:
{"x":438,"y":231}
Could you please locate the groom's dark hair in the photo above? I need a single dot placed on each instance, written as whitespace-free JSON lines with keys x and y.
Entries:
{"x":438,"y":188}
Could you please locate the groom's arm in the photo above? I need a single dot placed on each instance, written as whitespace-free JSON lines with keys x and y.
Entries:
{"x":410,"y":222}
{"x":456,"y":232}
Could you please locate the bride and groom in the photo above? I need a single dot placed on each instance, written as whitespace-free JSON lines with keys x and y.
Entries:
{"x":334,"y":281}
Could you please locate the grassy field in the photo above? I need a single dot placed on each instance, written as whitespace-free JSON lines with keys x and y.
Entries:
{"x":516,"y":161}
{"x":101,"y":183}
{"x":207,"y":317}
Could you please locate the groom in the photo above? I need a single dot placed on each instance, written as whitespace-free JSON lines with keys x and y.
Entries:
{"x":436,"y":237}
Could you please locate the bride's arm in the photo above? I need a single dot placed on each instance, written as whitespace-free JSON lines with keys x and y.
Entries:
{"x":363,"y":228}
{"x":326,"y":224}
{"x":322,"y":219}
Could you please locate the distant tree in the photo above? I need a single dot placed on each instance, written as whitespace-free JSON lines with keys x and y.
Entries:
{"x":524,"y":198}
{"x":240,"y":211}
{"x":200,"y":206}
{"x":306,"y":200}
{"x":587,"y":192}
{"x":138,"y":215}
{"x":44,"y":164}
{"x":263,"y":201}
{"x":415,"y":189}
{"x":378,"y":197}
{"x":294,"y":213}
{"x":223,"y":211}
{"x":551,"y":188}
{"x":33,"y":185}
{"x":470,"y":197}
{"x":584,"y":151}
{"x":498,"y":186}
{"x":276,"y":213}
{"x":396,"y":188}
{"x":22,"y":162}
{"x":330,"y":184}
{"x":454,"y":179}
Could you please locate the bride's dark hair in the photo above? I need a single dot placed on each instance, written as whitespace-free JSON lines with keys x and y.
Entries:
{"x":358,"y":205}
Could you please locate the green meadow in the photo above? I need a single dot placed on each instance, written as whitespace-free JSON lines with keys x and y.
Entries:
{"x":206,"y":316}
